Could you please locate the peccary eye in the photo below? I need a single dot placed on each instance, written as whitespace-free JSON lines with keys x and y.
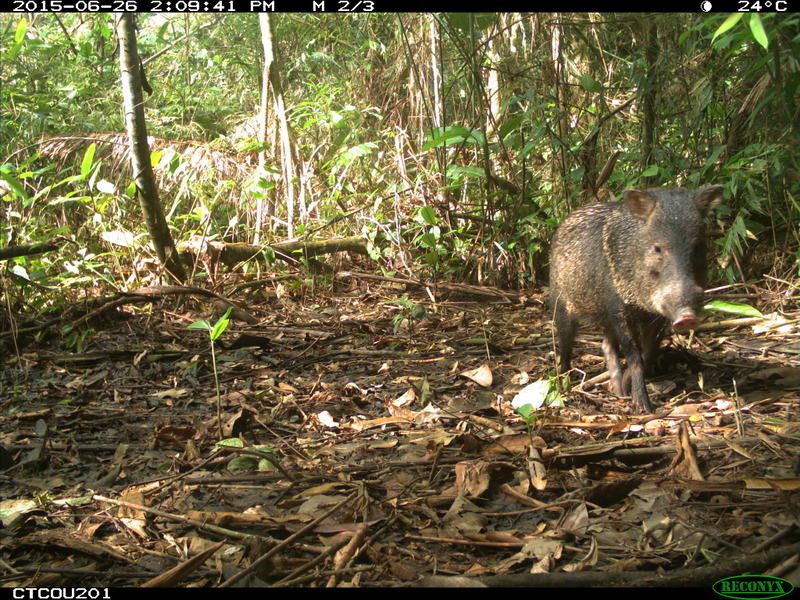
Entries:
{"x":657,"y":249}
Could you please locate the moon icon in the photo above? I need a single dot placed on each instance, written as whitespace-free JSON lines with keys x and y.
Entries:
{"x":705,"y":6}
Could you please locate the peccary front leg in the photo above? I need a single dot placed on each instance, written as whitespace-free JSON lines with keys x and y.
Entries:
{"x":611,"y":352}
{"x":649,"y":334}
{"x":633,"y":356}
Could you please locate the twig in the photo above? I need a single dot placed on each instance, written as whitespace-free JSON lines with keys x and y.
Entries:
{"x":281,"y":545}
{"x":347,"y":554}
{"x":181,"y":519}
{"x":289,"y":579}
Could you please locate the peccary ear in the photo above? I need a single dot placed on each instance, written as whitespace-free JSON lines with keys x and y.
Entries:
{"x":641,"y":204}
{"x":707,"y":198}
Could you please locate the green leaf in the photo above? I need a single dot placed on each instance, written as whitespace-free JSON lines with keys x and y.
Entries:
{"x":757,"y":29}
{"x":509,"y":126}
{"x":351,"y":154}
{"x":452,"y":136}
{"x":88,"y":157}
{"x":426,"y":240}
{"x":19,"y":39}
{"x":15,"y":186}
{"x":441,"y":135}
{"x":201,"y":324}
{"x":525,"y":410}
{"x":650,"y":171}
{"x":425,"y":392}
{"x":230,"y":443}
{"x":456,"y":171}
{"x":554,"y":397}
{"x":243,"y":463}
{"x":265,"y":465}
{"x":726,"y":25}
{"x":590,"y":84}
{"x":733,"y":308}
{"x":221,"y":325}
{"x":428,"y":214}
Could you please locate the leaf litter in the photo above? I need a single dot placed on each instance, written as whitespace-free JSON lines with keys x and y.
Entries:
{"x":368,"y":450}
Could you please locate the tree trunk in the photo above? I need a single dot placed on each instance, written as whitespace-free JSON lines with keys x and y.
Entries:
{"x":264,"y":208}
{"x":139,"y":149}
{"x":287,"y":151}
{"x":649,"y":98}
{"x":436,"y":76}
{"x":560,"y":92}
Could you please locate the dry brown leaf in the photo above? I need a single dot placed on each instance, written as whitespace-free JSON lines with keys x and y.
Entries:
{"x":787,"y":485}
{"x":513,"y":444}
{"x":482,"y":375}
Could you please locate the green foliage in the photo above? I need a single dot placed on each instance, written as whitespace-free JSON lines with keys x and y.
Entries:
{"x":541,"y":393}
{"x":754,"y":23}
{"x":467,"y":182}
{"x":732,"y":308}
{"x":258,"y":458}
{"x":453,"y":136}
{"x":214,"y":332}
{"x":410,"y":312}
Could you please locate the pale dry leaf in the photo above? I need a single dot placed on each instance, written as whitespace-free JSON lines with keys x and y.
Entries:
{"x":482,"y":375}
{"x":327,"y":420}
{"x":407,"y":398}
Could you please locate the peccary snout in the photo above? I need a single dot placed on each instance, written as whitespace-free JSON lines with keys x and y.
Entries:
{"x":679,"y":301}
{"x":687,"y":320}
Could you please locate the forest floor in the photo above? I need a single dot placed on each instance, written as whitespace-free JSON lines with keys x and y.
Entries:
{"x":377,"y":445}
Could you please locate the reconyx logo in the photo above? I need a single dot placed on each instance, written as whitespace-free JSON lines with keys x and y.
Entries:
{"x":752,"y":587}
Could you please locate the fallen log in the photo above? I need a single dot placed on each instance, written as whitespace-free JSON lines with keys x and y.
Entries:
{"x":231,"y":254}
{"x":10,"y":252}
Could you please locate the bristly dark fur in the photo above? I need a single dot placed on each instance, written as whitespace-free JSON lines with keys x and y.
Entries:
{"x":630,"y":267}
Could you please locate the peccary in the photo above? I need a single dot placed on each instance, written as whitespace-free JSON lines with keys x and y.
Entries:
{"x":631,"y":267}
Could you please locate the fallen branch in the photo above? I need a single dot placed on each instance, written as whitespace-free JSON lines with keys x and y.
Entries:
{"x":231,"y":254}
{"x":689,"y":577}
{"x":485,"y":292}
{"x":10,"y":252}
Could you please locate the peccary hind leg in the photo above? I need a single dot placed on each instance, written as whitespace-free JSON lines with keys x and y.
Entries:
{"x":566,"y":327}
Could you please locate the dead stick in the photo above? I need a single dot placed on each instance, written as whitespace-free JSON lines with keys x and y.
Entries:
{"x":347,"y":553}
{"x":180,"y":519}
{"x":180,"y":571}
{"x":265,"y":557}
{"x":303,"y":569}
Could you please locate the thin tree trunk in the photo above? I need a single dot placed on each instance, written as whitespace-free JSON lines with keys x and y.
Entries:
{"x":264,"y":209}
{"x":140,"y":150}
{"x":649,"y":98}
{"x":559,"y":88}
{"x":287,"y":154}
{"x":436,"y":77}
